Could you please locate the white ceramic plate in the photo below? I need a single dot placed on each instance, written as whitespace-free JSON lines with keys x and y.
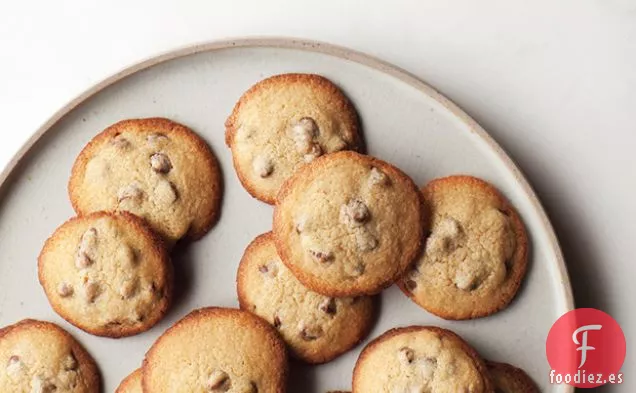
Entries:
{"x":405,"y":122}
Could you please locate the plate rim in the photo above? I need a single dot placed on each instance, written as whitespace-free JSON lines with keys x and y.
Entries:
{"x":327,"y":49}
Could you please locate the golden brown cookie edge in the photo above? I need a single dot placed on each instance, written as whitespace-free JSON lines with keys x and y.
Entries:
{"x":130,"y":379}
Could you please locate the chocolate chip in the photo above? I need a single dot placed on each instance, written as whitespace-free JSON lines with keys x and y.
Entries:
{"x":14,"y":359}
{"x":156,"y":138}
{"x":219,"y":381}
{"x":130,"y":192}
{"x":310,"y":333}
{"x":354,"y":213}
{"x":406,"y":355}
{"x":120,"y":142}
{"x":64,"y":289}
{"x":328,"y":306}
{"x":160,"y":163}
{"x":322,"y":256}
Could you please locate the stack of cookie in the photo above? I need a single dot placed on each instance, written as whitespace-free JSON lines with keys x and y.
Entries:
{"x":136,"y":193}
{"x":108,"y":271}
{"x":346,"y":226}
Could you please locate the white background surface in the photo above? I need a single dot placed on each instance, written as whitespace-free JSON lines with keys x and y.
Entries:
{"x":553,"y":81}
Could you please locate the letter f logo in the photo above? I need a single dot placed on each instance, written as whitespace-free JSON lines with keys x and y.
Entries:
{"x":583,"y":344}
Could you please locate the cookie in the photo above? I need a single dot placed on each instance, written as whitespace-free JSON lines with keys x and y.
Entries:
{"x":107,"y":273}
{"x":283,"y":122}
{"x":316,"y":328}
{"x":510,"y":379}
{"x":131,"y":384}
{"x":217,"y":350}
{"x":41,"y":357}
{"x":420,"y":359}
{"x":476,"y":255}
{"x":348,"y":224}
{"x":155,"y":168}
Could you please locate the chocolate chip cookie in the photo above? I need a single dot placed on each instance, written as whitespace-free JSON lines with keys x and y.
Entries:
{"x":510,"y":379}
{"x":40,"y":357}
{"x":107,"y":273}
{"x":348,"y":224}
{"x":316,"y":328}
{"x":476,"y":255}
{"x":217,"y":349}
{"x":155,"y":168}
{"x":283,"y":122}
{"x":420,"y":359}
{"x":131,"y":384}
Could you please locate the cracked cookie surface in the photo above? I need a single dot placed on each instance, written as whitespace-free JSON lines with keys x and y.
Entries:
{"x":510,"y":379}
{"x":217,"y":350}
{"x":476,"y":254}
{"x":284,"y":122}
{"x":316,"y":328}
{"x":40,"y":357}
{"x":131,"y":384}
{"x":107,"y":273}
{"x":422,"y":359}
{"x":154,"y":168}
{"x":348,"y":224}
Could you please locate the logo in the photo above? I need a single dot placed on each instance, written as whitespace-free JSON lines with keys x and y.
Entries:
{"x":586,"y":349}
{"x":584,"y":346}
